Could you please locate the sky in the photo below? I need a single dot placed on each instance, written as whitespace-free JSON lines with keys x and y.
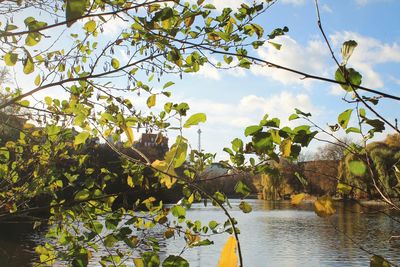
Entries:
{"x":234,"y":99}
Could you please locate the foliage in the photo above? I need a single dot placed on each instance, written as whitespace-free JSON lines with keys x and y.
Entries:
{"x":51,"y":161}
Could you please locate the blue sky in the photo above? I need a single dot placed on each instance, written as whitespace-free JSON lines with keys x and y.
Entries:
{"x":234,"y":99}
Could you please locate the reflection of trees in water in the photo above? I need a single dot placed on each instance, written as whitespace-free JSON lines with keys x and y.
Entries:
{"x":17,"y":243}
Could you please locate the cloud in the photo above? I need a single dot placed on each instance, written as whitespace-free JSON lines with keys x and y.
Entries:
{"x":226,"y":121}
{"x":251,"y":108}
{"x":326,"y":8}
{"x":208,"y":71}
{"x":312,"y":58}
{"x":367,"y":2}
{"x":294,"y":2}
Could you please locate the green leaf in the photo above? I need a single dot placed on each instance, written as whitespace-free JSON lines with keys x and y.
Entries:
{"x":244,"y":63}
{"x":344,"y":117}
{"x":82,"y":195}
{"x":242,"y":188}
{"x":343,"y":188}
{"x":29,"y":67}
{"x":175,"y":261}
{"x":115,"y":63}
{"x":10,"y":59}
{"x":81,"y":138}
{"x":378,"y":261}
{"x":74,"y":10}
{"x":228,"y":59}
{"x":353,"y":130}
{"x":251,"y":130}
{"x":298,"y":111}
{"x":245,"y":207}
{"x":110,"y":241}
{"x":151,"y":101}
{"x":357,"y":167}
{"x":195,"y":119}
{"x":150,"y":259}
{"x":352,"y":76}
{"x":237,"y":145}
{"x":275,"y":45}
{"x":178,"y":211}
{"x":293,"y":117}
{"x":168,"y":84}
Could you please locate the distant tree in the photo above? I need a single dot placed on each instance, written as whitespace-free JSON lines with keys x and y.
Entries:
{"x":333,"y":151}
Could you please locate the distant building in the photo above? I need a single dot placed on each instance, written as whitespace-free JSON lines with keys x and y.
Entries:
{"x":154,"y":146}
{"x":153,"y":140}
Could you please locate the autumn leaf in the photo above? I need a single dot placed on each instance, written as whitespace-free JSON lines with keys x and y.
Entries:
{"x":296,"y":199}
{"x":228,"y":256}
{"x":323,"y":206}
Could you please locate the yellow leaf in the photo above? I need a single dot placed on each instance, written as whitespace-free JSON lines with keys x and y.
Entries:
{"x":38,"y":80}
{"x":323,"y":206}
{"x":129,"y":180}
{"x":151,"y":101}
{"x":165,"y":168}
{"x":189,"y":21}
{"x":138,"y":262}
{"x":29,"y":126}
{"x":296,"y":199}
{"x":286,"y":147}
{"x":191,"y":239}
{"x":229,"y":257}
{"x":129,"y":133}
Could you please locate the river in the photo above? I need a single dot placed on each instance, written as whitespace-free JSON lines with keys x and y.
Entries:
{"x":273,"y":234}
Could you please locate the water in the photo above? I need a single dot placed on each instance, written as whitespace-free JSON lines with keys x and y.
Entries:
{"x":274,"y":234}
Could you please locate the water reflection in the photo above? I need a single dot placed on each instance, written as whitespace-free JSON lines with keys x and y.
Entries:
{"x":274,"y":234}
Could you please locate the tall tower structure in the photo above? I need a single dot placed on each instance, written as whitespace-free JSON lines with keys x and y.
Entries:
{"x":199,"y":132}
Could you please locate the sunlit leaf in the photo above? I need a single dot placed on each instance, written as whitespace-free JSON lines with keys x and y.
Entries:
{"x":115,"y":63}
{"x":151,"y":101}
{"x":29,"y":67}
{"x":347,"y":50}
{"x":175,"y":261}
{"x":228,"y":256}
{"x":323,"y":206}
{"x":245,"y":207}
{"x":296,"y":199}
{"x":344,"y":118}
{"x":357,"y":167}
{"x":352,"y":76}
{"x":10,"y":59}
{"x":81,"y":138}
{"x":195,"y":119}
{"x":378,"y":261}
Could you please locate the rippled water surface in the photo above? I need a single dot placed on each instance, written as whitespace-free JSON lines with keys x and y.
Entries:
{"x":274,"y":234}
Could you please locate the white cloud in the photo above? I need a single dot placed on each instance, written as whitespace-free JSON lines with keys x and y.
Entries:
{"x":367,"y":2}
{"x":336,"y":90}
{"x":294,"y":2}
{"x":251,"y":108}
{"x":326,"y":8}
{"x":312,"y":58}
{"x":225,"y":121}
{"x":208,"y":71}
